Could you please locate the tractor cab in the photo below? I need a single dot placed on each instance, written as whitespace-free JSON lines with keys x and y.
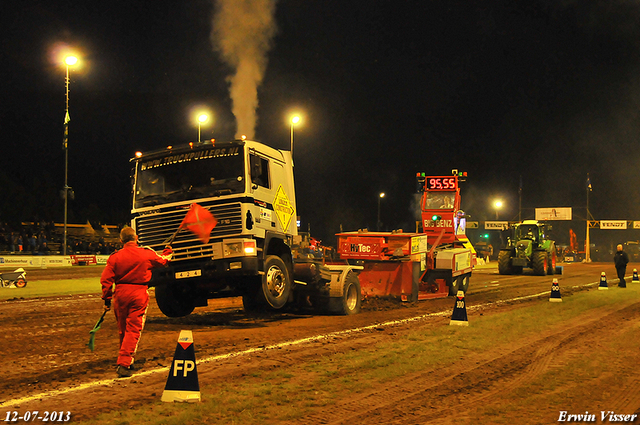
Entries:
{"x":527,"y":231}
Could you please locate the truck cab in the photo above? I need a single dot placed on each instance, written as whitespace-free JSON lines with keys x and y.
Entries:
{"x":249,"y":188}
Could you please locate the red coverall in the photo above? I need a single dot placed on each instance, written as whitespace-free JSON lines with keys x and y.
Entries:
{"x":130,"y":270}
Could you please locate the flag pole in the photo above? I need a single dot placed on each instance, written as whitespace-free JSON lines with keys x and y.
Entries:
{"x":587,"y":248}
{"x":172,"y":237}
{"x":520,"y":201}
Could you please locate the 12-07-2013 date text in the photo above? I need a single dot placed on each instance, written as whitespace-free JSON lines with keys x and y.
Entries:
{"x":33,"y":416}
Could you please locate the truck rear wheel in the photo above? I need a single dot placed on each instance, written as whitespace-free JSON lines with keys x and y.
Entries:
{"x":539,"y":263}
{"x":174,"y":300}
{"x":504,"y":262}
{"x":276,"y":283}
{"x":351,"y":300}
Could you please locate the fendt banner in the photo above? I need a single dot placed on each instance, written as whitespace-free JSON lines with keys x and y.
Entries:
{"x":496,"y":225}
{"x":613,"y":224}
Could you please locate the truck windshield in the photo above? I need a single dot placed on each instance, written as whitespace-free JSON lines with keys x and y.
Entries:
{"x":168,"y":180}
{"x":436,"y":200}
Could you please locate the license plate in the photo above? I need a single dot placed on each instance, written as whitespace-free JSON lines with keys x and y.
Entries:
{"x":190,"y":273}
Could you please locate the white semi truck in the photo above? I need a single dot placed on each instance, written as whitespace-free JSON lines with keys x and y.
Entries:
{"x":248,"y":187}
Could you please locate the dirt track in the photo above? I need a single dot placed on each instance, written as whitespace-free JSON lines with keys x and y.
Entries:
{"x":44,"y":349}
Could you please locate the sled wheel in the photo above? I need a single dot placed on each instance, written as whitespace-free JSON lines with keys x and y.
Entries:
{"x":351,"y":300}
{"x":454,"y":287}
{"x":463,"y":283}
{"x":20,"y":283}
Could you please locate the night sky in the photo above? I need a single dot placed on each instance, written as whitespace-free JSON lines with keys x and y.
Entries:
{"x":546,"y":90}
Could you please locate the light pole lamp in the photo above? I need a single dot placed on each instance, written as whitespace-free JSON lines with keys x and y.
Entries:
{"x":69,"y":61}
{"x":497,"y":205}
{"x":294,"y":121}
{"x":202,"y":118}
{"x":379,"y":223}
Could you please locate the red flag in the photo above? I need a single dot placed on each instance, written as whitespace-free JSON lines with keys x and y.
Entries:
{"x":200,"y":222}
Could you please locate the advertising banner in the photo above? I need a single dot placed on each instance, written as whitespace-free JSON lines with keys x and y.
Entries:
{"x":89,"y":260}
{"x":553,"y":213}
{"x":15,"y":261}
{"x":496,"y":225}
{"x":613,"y":224}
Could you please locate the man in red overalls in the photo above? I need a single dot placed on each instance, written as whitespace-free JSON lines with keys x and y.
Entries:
{"x":130,"y":270}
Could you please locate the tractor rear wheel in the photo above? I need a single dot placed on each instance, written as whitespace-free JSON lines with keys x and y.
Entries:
{"x":504,"y":262}
{"x":551,"y":260}
{"x":539,"y":263}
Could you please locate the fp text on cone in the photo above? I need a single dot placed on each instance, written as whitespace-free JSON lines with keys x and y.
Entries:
{"x":182,"y":382}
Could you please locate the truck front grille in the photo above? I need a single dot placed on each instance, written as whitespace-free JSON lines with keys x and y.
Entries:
{"x":154,"y":230}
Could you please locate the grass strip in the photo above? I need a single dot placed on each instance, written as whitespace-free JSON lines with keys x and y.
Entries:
{"x":49,"y":288}
{"x":292,"y":391}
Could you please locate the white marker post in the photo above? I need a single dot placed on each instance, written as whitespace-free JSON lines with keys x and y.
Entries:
{"x":459,"y":316}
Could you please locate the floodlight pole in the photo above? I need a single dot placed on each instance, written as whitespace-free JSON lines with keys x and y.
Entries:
{"x":65,"y":146}
{"x":380,"y":196}
{"x":587,"y":248}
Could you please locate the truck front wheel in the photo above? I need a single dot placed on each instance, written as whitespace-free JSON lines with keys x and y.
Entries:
{"x":276,"y":282}
{"x":174,"y":300}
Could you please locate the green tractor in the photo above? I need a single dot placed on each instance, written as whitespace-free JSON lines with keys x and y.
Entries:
{"x":529,"y":247}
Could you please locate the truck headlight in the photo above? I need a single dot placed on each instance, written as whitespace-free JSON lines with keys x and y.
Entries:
{"x":232,"y":249}
{"x":240,"y":248}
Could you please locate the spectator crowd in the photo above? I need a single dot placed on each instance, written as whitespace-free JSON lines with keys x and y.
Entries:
{"x":45,"y":239}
